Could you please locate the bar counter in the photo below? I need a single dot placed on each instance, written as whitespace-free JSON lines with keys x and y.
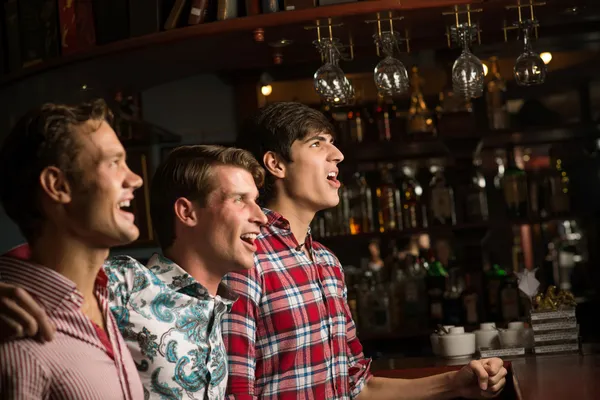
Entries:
{"x":551,"y":377}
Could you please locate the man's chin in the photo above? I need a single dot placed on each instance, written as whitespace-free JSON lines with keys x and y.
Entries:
{"x":127,"y":237}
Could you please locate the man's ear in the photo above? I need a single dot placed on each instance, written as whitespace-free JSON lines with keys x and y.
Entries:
{"x":274,"y":165}
{"x":55,"y":185}
{"x":185,"y":212}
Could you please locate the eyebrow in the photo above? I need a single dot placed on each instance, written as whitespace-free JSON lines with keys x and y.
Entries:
{"x":114,"y":153}
{"x":242,"y":194}
{"x":321,"y":137}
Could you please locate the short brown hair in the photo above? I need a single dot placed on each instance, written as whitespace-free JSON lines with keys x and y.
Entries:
{"x":275,"y":128}
{"x":42,"y":138}
{"x":188,"y":172}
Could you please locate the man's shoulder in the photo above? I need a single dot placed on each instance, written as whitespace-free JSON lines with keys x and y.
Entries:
{"x":325,"y":253}
{"x":25,"y":350}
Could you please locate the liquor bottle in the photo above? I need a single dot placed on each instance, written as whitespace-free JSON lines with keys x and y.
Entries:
{"x":420,"y":118}
{"x":382,"y":116}
{"x":397,"y":286}
{"x":494,"y":279}
{"x":388,"y":200}
{"x":436,"y":286}
{"x":357,"y":126}
{"x":375,"y":310}
{"x":411,"y":202}
{"x":514,"y":188}
{"x":360,"y":204}
{"x":496,"y":98}
{"x":342,"y":212}
{"x":415,"y":293}
{"x":510,"y":303}
{"x":476,"y":206}
{"x":559,"y":189}
{"x":452,"y":298}
{"x":471,"y":303}
{"x":441,"y":205}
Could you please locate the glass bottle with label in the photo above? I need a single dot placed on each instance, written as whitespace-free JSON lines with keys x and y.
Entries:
{"x":360,"y":205}
{"x":514,"y":187}
{"x":496,"y":98}
{"x":388,"y":200}
{"x":476,"y":206}
{"x":441,"y":204}
{"x":411,"y":202}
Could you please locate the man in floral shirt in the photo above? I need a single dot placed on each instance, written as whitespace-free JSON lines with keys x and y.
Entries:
{"x":203,"y":204}
{"x":290,"y":334}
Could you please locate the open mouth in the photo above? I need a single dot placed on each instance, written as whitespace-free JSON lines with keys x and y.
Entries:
{"x":249,"y":238}
{"x":126,"y":208}
{"x":332,"y":178}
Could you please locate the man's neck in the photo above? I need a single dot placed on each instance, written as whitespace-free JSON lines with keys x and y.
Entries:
{"x":298,"y":217}
{"x":193,"y":264}
{"x":71,"y":258}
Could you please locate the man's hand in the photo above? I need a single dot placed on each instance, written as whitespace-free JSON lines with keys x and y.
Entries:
{"x":481,"y":379}
{"x":21,"y":316}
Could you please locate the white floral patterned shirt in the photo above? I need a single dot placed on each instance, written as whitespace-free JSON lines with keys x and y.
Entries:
{"x":172,"y":327}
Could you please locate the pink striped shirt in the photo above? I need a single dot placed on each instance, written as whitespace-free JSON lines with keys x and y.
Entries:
{"x":76,"y":364}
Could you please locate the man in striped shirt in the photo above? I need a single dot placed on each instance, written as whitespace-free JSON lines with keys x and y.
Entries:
{"x":290,"y":334}
{"x":63,"y":181}
{"x":203,"y":204}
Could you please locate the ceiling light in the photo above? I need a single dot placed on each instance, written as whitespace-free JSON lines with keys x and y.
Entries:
{"x":546,"y":57}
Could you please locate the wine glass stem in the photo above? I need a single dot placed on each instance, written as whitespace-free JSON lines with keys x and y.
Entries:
{"x":332,"y":58}
{"x":526,"y":40}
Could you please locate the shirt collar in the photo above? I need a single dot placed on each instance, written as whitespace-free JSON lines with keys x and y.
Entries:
{"x":276,"y":220}
{"x":176,"y":278}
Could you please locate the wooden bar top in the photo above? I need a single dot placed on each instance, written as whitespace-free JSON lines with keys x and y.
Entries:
{"x":568,"y":377}
{"x":558,"y":377}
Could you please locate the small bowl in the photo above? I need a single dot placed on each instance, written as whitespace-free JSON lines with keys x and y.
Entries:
{"x":457,"y":343}
{"x":486,"y":337}
{"x":526,"y":338}
{"x":510,"y":338}
{"x":434,"y":338}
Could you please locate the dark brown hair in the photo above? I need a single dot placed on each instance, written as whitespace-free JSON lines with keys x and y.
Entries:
{"x":42,"y":138}
{"x":274,"y":128}
{"x":188,"y":172}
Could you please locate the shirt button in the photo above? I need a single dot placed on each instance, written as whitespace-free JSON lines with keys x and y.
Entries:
{"x":72,"y":297}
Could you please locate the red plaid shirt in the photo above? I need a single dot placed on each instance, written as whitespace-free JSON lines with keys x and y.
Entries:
{"x":290,"y":335}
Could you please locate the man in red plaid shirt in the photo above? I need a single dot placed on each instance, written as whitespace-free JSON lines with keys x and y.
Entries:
{"x":290,"y":334}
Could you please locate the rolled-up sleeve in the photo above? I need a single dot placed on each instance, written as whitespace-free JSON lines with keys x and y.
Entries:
{"x":359,"y":366}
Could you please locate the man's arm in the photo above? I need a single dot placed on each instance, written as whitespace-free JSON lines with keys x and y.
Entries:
{"x":239,"y":334}
{"x":359,"y":367}
{"x":479,"y":380}
{"x":21,"y":375}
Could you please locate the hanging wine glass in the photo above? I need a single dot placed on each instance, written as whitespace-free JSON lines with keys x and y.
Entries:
{"x":391,"y":76}
{"x":529,"y":69}
{"x":330,"y":82}
{"x":467,"y":71}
